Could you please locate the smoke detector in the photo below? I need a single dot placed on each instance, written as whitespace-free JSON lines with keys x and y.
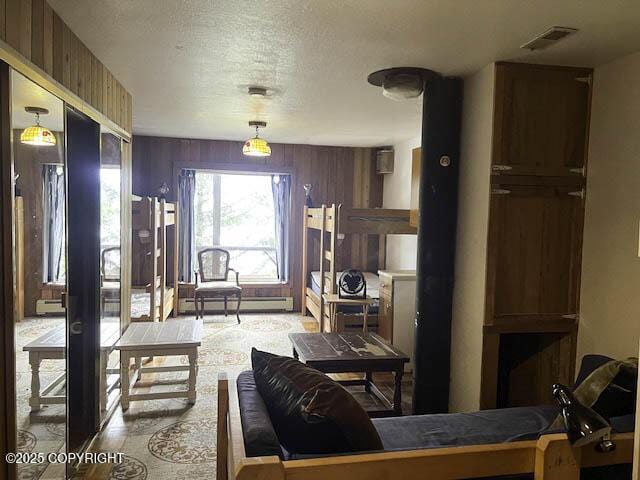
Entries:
{"x":548,"y":38}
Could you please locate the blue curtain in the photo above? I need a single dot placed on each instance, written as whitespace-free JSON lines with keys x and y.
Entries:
{"x":187,"y":237}
{"x":281,"y":188}
{"x":54,"y":222}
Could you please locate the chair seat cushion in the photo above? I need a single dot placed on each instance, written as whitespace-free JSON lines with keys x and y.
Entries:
{"x":311,"y":413}
{"x":218,"y":286}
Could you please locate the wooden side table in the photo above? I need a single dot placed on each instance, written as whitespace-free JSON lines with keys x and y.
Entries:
{"x":333,"y":300}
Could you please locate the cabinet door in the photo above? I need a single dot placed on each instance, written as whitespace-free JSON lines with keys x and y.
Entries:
{"x":534,"y":254}
{"x":541,"y":120}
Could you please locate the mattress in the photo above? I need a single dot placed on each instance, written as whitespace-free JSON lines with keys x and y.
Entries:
{"x":373,"y":286}
{"x":141,"y":301}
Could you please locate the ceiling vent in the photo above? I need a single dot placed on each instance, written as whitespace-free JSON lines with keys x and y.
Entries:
{"x":548,"y":38}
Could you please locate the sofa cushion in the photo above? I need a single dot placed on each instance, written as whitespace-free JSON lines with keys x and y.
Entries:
{"x":260,"y":438}
{"x":311,"y":413}
{"x":457,"y":429}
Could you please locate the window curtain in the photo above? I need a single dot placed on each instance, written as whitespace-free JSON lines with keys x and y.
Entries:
{"x":54,"y":222}
{"x":281,"y":189}
{"x":186,"y":208}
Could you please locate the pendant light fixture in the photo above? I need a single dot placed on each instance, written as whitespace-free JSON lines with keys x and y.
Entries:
{"x":37,"y":135}
{"x":256,"y":146}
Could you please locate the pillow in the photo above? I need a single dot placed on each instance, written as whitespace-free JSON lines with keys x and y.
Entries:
{"x":311,"y":413}
{"x":610,"y":389}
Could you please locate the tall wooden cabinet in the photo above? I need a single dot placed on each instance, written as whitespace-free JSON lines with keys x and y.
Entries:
{"x":535,"y":169}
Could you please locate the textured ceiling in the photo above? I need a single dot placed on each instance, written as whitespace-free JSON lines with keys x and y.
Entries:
{"x":25,"y":93}
{"x":188,"y":63}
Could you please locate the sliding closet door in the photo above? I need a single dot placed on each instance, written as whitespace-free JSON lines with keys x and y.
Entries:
{"x":83,"y":278}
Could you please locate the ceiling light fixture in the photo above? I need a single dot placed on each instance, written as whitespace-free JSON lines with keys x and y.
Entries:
{"x":36,"y":134}
{"x":401,"y":83}
{"x":256,"y":146}
{"x":257,"y":91}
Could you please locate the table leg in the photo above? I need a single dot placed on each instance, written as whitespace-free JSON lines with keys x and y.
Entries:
{"x":295,"y":354}
{"x":193,"y":372}
{"x":333,"y":312}
{"x":365,"y":327}
{"x":138,"y":368}
{"x":124,"y":380}
{"x":368,"y":378}
{"x":34,"y":401}
{"x":104,"y":358}
{"x":397,"y":394}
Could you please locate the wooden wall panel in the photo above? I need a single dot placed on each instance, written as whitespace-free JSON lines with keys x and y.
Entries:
{"x":338,"y":175}
{"x":28,"y":164}
{"x":37,"y":33}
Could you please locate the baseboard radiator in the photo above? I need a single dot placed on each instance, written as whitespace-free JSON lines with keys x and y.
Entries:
{"x":250,"y":304}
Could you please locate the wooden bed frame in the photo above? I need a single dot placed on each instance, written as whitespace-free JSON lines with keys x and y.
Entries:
{"x":551,"y":457}
{"x":150,"y":219}
{"x":335,"y":221}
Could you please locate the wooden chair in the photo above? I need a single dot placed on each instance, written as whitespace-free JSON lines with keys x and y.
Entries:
{"x":109,"y":276}
{"x":212,"y":280}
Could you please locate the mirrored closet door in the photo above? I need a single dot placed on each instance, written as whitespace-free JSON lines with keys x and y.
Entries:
{"x":110,"y":268}
{"x":40,"y":258}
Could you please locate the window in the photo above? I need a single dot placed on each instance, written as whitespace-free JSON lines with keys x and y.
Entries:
{"x":110,"y":217}
{"x":54,"y":236}
{"x":236,"y":212}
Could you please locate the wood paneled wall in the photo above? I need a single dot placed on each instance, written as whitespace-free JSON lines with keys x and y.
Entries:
{"x":35,"y":31}
{"x":338,"y":174}
{"x":28,"y":164}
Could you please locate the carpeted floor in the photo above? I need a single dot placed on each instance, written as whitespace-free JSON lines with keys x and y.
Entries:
{"x":161,"y":439}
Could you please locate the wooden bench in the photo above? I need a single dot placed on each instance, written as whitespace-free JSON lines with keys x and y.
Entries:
{"x":53,"y":346}
{"x":551,"y":457}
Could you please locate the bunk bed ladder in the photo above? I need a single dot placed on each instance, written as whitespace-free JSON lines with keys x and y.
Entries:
{"x":154,"y":258}
{"x":163,"y":257}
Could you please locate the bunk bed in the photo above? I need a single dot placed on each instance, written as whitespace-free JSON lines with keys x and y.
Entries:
{"x":154,"y":298}
{"x":333,"y":223}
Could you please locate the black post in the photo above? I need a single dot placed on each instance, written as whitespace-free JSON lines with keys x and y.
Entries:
{"x":436,"y":243}
{"x":83,"y":278}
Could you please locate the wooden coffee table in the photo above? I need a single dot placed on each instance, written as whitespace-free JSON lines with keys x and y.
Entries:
{"x":354,"y":353}
{"x":152,"y":339}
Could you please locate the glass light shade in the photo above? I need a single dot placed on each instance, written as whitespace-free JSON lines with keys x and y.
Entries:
{"x":256,"y":147}
{"x":37,"y":135}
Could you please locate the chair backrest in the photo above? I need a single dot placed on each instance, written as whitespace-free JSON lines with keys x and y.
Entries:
{"x":213,"y":264}
{"x":110,"y":264}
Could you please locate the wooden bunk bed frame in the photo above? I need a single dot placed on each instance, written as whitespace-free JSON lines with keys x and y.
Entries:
{"x":551,"y":457}
{"x":153,"y":216}
{"x":333,"y":222}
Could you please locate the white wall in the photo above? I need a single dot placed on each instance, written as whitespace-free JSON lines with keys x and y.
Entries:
{"x":471,"y":241}
{"x":401,"y":249}
{"x":610,"y":289}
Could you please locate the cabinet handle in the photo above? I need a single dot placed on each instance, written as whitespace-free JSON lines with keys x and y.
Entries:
{"x":501,"y":168}
{"x":579,"y":193}
{"x":500,"y":191}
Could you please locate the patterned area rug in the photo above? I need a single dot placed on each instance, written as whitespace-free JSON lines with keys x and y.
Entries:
{"x":160,"y":439}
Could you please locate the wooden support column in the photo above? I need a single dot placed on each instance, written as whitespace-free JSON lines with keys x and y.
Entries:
{"x":436,"y":243}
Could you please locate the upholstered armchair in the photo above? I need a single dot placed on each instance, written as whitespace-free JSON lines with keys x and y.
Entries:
{"x":212,"y":280}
